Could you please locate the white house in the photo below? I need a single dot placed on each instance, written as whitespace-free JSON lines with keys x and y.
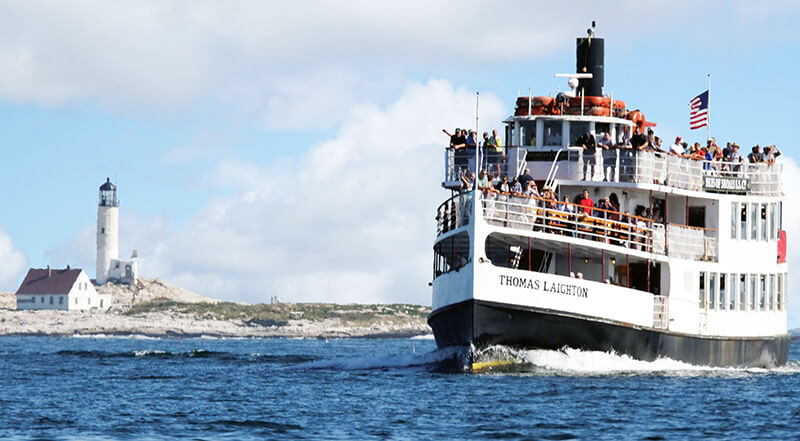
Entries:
{"x":67,"y":289}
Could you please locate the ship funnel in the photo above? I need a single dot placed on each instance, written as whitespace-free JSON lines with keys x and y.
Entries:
{"x":589,"y":56}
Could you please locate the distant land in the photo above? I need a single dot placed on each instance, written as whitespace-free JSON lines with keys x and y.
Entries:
{"x":156,"y":308}
{"x":795,"y":333}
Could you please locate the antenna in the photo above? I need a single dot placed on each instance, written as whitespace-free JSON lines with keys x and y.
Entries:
{"x":477,"y":144}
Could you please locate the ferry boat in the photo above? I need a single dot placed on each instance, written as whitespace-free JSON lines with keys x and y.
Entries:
{"x":686,"y":261}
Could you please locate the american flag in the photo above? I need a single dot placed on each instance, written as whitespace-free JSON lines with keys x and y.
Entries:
{"x":698,"y":111}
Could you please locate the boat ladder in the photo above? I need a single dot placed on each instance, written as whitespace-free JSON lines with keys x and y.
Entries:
{"x":660,"y":312}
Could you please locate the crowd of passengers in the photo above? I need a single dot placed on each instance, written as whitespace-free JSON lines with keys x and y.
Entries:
{"x":524,"y":191}
{"x":729,"y":159}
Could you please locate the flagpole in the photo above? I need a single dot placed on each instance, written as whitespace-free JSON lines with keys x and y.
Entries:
{"x":708,"y":111}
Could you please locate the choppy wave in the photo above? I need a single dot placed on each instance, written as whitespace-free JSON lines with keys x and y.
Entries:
{"x":447,"y":358}
{"x":191,"y":354}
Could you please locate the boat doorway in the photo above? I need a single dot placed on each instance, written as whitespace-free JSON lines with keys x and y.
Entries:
{"x":641,"y":280}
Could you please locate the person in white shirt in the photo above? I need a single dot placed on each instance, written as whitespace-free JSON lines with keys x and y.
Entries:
{"x":677,"y":149}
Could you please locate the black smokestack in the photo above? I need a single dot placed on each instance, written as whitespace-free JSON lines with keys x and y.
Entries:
{"x":589,"y":56}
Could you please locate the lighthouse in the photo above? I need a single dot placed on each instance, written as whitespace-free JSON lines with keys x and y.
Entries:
{"x":109,"y":267}
{"x":107,"y":230}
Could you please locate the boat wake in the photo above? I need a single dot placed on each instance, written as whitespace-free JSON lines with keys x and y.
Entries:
{"x":574,"y":362}
{"x":446,"y":359}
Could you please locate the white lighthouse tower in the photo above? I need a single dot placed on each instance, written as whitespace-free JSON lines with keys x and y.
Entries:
{"x":107,"y":231}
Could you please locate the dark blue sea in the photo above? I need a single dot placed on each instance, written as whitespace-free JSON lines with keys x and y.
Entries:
{"x":136,"y":388}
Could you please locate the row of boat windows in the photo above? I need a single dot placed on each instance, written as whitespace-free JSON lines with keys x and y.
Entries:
{"x":755,"y":221}
{"x":743,"y":292}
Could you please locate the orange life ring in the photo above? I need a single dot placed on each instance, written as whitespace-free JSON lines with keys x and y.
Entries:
{"x":637,"y":117}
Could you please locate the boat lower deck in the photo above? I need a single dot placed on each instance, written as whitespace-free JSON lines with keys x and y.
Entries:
{"x":484,"y":323}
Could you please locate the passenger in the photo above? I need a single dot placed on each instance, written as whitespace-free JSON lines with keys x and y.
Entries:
{"x":638,"y":140}
{"x":525,"y":178}
{"x":532,"y":191}
{"x":587,"y":202}
{"x":614,"y":201}
{"x":677,"y":149}
{"x":609,"y":157}
{"x":657,"y":217}
{"x":589,"y":150}
{"x":605,"y":141}
{"x":467,"y":181}
{"x":504,"y":187}
{"x":497,"y":143}
{"x":516,"y":187}
{"x":771,"y":153}
{"x":483,"y":181}
{"x":565,"y":206}
{"x":457,"y":140}
{"x":755,"y":157}
{"x":472,"y":139}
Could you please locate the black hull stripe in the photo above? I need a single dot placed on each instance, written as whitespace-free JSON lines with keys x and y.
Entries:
{"x":486,"y":323}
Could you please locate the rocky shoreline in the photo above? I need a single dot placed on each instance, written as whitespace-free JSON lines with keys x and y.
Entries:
{"x":155,"y":308}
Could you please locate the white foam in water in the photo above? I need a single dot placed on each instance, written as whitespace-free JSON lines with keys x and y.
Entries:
{"x":576,"y":362}
{"x":117,"y":337}
{"x":422,"y":337}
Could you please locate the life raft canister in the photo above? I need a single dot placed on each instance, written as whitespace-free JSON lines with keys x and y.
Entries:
{"x":539,"y":105}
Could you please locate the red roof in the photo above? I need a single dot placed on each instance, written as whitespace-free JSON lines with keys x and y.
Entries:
{"x":59,"y":281}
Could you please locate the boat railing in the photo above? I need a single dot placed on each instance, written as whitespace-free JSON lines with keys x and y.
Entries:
{"x":534,"y":213}
{"x":454,"y":213}
{"x":650,"y":167}
{"x":692,"y":243}
{"x":506,"y":161}
{"x":563,"y":218}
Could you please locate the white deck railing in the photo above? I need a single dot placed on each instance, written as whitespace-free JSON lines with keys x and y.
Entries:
{"x":648,"y":167}
{"x":559,"y":218}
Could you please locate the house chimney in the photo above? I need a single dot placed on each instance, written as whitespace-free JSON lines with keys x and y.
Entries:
{"x":49,"y":271}
{"x":67,"y":267}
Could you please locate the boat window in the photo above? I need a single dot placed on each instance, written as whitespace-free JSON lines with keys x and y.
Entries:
{"x":779,"y":294}
{"x":529,"y":134}
{"x":742,"y":292}
{"x":600,"y":128}
{"x":576,"y":130}
{"x":702,"y":290}
{"x":773,"y":222}
{"x":752,"y":305}
{"x":743,"y":229}
{"x":780,"y":216}
{"x":450,"y":254}
{"x":552,"y":132}
{"x":722,"y":297}
{"x":754,"y":221}
{"x":763,"y":221}
{"x":732,"y":293}
{"x":712,"y":290}
{"x":734,"y":213}
{"x":771,"y":298}
{"x":762,"y":291}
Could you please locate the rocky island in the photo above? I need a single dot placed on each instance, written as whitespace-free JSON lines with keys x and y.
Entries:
{"x":155,"y":308}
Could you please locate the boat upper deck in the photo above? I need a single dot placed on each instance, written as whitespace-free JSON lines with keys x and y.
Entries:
{"x":573,"y":165}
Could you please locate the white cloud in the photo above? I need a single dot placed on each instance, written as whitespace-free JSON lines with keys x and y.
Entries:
{"x":299,"y":64}
{"x":12,"y":263}
{"x":352,"y":220}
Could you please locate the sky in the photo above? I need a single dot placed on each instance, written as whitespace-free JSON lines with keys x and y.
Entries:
{"x":296,"y":151}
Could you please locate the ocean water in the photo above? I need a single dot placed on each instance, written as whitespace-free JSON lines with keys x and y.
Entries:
{"x":136,"y":388}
